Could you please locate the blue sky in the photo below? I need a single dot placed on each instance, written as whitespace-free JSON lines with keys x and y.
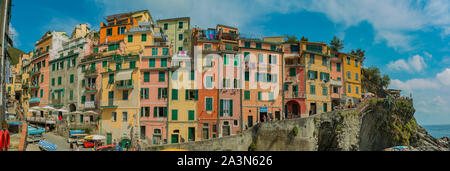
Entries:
{"x":409,"y":40}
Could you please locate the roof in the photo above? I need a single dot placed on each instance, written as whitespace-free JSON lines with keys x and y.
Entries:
{"x":174,"y":19}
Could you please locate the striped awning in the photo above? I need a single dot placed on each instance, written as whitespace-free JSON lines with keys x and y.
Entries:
{"x":124,"y":75}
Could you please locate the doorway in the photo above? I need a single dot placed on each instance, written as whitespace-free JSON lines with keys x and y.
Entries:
{"x":250,"y":121}
{"x":262,"y":116}
{"x":226,"y":129}
{"x":205,"y":132}
{"x":313,"y":108}
{"x":191,"y":134}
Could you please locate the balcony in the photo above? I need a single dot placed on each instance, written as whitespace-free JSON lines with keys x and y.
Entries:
{"x":230,"y":36}
{"x":90,"y":72}
{"x":34,"y":100}
{"x":34,"y":85}
{"x":89,"y":105}
{"x":122,"y":85}
{"x":57,"y":102}
{"x":336,"y":83}
{"x":110,"y":104}
{"x":293,"y":95}
{"x":34,"y":72}
{"x":90,"y":88}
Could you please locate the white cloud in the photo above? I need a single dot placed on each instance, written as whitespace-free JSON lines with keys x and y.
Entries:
{"x":444,"y":77}
{"x":415,"y":84}
{"x":392,"y":20}
{"x":414,"y":64}
{"x":427,"y":54}
{"x":14,"y":35}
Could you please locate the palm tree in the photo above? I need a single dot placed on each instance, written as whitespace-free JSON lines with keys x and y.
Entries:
{"x":304,"y":39}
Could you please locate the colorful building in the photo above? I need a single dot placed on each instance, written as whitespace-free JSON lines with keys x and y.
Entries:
{"x":154,"y":83}
{"x":178,"y":33}
{"x":318,"y":68}
{"x":263,"y":81}
{"x":336,"y":86}
{"x":352,"y":78}
{"x":294,"y":81}
{"x":182,"y":121}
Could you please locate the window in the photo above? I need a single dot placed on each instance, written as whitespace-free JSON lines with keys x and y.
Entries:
{"x":163,"y":62}
{"x":292,"y":72}
{"x":166,"y":26}
{"x":247,"y":44}
{"x":192,"y":75}
{"x":154,"y":51}
{"x":259,"y":95}
{"x":125,"y":95}
{"x":260,"y":58}
{"x":180,"y":25}
{"x":104,"y":63}
{"x":145,"y":111}
{"x":209,"y":82}
{"x":132,"y":64}
{"x":314,"y":48}
{"x":273,"y":47}
{"x":349,"y":88}
{"x":338,"y":67}
{"x":271,"y":96}
{"x":209,"y":104}
{"x":191,"y":115}
{"x":124,"y":116}
{"x":109,"y":32}
{"x":247,"y":76}
{"x":258,"y":45}
{"x":324,"y":91}
{"x":111,"y":79}
{"x":174,"y":94}
{"x":162,"y":77}
{"x":42,"y":93}
{"x":348,"y":60}
{"x":356,"y":63}
{"x":246,"y":95}
{"x":165,"y":51}
{"x":118,"y":65}
{"x":228,"y":47}
{"x":121,"y":30}
{"x":324,"y":61}
{"x":42,"y":78}
{"x":53,"y":81}
{"x":71,"y":95}
{"x":207,"y":46}
{"x":356,"y":76}
{"x":312,"y":89}
{"x":113,"y":47}
{"x":146,"y":77}
{"x":174,"y":115}
{"x":311,"y":59}
{"x":325,"y":107}
{"x":226,"y":59}
{"x":162,"y":93}
{"x":95,"y":50}
{"x":191,"y":94}
{"x":53,"y":67}
{"x":130,"y":38}
{"x":151,"y":63}
{"x":236,"y":60}
{"x":144,"y":37}
{"x":71,"y":78}
{"x":312,"y":75}
{"x":59,"y":80}
{"x":226,"y":108}
{"x":349,"y":75}
{"x":144,"y":93}
{"x":357,"y":90}
{"x":180,"y":37}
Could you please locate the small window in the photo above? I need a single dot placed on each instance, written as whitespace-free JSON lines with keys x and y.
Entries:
{"x":124,"y":116}
{"x":180,"y":25}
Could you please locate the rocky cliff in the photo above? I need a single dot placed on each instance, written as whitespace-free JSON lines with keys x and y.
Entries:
{"x":376,"y":124}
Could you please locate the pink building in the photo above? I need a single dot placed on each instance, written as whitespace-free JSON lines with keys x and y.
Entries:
{"x":154,"y":68}
{"x":336,"y":81}
{"x":294,"y":81}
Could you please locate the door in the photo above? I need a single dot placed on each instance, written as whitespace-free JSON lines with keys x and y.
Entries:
{"x":325,"y":107}
{"x":295,"y":109}
{"x":143,"y":132}
{"x":250,"y":121}
{"x":205,"y":133}
{"x":191,"y":134}
{"x":174,"y":138}
{"x":277,"y":115}
{"x":108,"y":139}
{"x":226,"y":129}
{"x":313,"y":108}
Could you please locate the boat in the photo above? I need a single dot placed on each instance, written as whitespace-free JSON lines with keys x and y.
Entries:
{"x":47,"y":146}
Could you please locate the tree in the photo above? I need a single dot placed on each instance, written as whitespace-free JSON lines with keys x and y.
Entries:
{"x":304,"y":39}
{"x":291,"y":39}
{"x":336,"y":44}
{"x":372,"y":81}
{"x":360,"y":53}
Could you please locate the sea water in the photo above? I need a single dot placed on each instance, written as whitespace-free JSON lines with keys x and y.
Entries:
{"x":438,"y":131}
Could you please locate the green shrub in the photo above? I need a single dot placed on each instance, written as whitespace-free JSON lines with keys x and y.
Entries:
{"x":295,"y":131}
{"x":252,"y":147}
{"x":339,"y":128}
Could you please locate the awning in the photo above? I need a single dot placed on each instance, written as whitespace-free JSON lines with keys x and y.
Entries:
{"x":14,"y":54}
{"x":124,"y":75}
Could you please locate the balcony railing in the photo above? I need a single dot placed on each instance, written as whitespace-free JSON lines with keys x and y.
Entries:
{"x":336,"y":82}
{"x":89,"y":105}
{"x":34,"y":100}
{"x":90,"y":72}
{"x":292,"y":95}
{"x":230,"y":36}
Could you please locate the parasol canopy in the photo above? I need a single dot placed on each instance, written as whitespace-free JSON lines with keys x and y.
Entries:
{"x":95,"y":137}
{"x":48,"y":108}
{"x":90,"y":113}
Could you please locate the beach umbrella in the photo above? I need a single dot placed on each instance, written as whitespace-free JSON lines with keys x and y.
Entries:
{"x":95,"y":137}
{"x":90,"y":112}
{"x":36,"y":108}
{"x":76,"y":112}
{"x":48,"y":108}
{"x":62,"y":110}
{"x":31,"y":110}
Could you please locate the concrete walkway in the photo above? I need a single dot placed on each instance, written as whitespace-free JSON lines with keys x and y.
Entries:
{"x":61,"y":142}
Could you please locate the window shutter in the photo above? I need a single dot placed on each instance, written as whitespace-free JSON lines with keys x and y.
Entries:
{"x":231,"y":108}
{"x":196,"y":94}
{"x":142,"y":111}
{"x":221,"y":108}
{"x":165,"y":112}
{"x":155,"y":112}
{"x":186,"y":95}
{"x":159,"y":93}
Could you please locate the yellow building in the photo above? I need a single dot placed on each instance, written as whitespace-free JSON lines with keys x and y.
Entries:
{"x":26,"y":68}
{"x":317,"y":70}
{"x":178,"y":33}
{"x":352,"y":78}
{"x":182,"y":121}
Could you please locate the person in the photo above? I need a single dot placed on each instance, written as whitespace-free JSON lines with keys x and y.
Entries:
{"x":71,"y":146}
{"x":114,"y":143}
{"x":138,"y":146}
{"x":127,"y":145}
